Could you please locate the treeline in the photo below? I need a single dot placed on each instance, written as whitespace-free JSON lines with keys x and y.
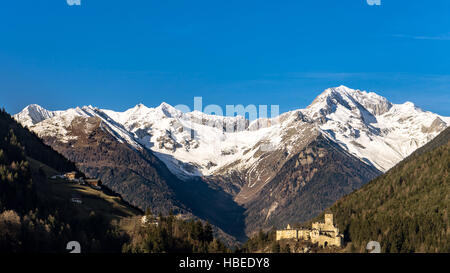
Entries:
{"x":168,"y":234}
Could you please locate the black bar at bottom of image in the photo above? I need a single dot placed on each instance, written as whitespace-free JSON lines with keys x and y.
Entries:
{"x":227,"y":262}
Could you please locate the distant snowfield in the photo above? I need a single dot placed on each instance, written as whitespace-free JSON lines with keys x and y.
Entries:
{"x":366,"y":125}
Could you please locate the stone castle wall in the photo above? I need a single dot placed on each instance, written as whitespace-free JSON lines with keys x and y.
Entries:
{"x":286,"y":234}
{"x":324,"y":234}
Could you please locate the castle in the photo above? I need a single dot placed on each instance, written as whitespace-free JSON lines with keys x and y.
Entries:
{"x":325,"y":234}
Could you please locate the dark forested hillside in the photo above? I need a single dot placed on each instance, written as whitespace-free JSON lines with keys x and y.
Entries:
{"x":406,"y":209}
{"x":31,"y":145}
{"x":36,"y":216}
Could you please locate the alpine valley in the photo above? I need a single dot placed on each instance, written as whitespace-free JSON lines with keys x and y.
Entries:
{"x":263,"y":173}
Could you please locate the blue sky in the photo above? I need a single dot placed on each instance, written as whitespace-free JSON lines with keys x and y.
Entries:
{"x":115,"y":54}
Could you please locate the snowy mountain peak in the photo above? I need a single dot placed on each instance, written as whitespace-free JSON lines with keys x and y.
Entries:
{"x":356,"y":101}
{"x":138,"y":107}
{"x":409,"y":104}
{"x":89,"y":108}
{"x":165,"y":105}
{"x":339,"y":90}
{"x":343,"y":89}
{"x":33,"y":107}
{"x":33,"y":114}
{"x":168,"y":110}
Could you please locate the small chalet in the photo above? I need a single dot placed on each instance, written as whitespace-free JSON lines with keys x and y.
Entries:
{"x":71,"y":175}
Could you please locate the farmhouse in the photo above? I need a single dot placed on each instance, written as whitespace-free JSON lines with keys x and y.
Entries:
{"x":324,"y":234}
{"x":70,"y":175}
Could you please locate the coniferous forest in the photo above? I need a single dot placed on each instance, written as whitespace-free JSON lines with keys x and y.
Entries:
{"x":171,"y":235}
{"x":406,"y":209}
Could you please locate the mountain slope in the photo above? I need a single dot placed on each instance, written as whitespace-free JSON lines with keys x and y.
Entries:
{"x":406,"y":209}
{"x":309,"y":182}
{"x":139,"y":177}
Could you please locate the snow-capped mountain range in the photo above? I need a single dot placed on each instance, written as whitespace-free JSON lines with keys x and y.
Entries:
{"x":239,"y":174}
{"x":366,"y":125}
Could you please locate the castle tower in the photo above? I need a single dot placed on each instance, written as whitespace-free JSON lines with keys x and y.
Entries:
{"x":329,"y":219}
